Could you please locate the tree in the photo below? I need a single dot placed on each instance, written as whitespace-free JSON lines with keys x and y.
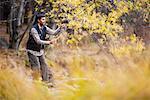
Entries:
{"x":15,"y":19}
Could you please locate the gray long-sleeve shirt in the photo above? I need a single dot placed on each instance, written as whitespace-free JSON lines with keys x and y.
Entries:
{"x":36,"y":37}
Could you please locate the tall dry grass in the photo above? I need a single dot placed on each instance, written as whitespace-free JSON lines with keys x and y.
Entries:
{"x":82,"y":75}
{"x":15,"y":80}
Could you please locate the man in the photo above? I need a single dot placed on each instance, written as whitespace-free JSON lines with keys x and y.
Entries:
{"x":35,"y":48}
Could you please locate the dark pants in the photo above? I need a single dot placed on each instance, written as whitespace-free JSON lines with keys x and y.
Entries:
{"x":38,"y":64}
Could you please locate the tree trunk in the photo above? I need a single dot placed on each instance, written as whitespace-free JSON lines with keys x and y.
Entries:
{"x":15,"y":22}
{"x":20,"y":14}
{"x":12,"y":26}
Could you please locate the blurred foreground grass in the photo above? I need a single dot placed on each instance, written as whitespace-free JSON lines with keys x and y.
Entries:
{"x":79,"y":75}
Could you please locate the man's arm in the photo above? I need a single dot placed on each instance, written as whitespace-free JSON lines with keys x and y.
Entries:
{"x":52,"y":32}
{"x":36,"y":37}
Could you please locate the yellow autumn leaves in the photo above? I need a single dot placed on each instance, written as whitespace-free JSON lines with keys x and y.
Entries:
{"x":82,"y":15}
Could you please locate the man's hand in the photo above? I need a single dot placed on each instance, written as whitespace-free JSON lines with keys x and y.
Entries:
{"x":53,"y":41}
{"x":50,"y":42}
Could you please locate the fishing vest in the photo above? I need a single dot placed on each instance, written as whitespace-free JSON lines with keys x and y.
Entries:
{"x":32,"y":44}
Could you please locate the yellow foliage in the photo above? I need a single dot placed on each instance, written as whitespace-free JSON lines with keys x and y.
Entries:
{"x":39,"y":1}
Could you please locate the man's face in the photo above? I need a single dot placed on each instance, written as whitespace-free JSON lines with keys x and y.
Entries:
{"x":42,"y":21}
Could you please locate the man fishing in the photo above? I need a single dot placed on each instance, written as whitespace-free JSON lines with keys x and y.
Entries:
{"x":35,"y":48}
